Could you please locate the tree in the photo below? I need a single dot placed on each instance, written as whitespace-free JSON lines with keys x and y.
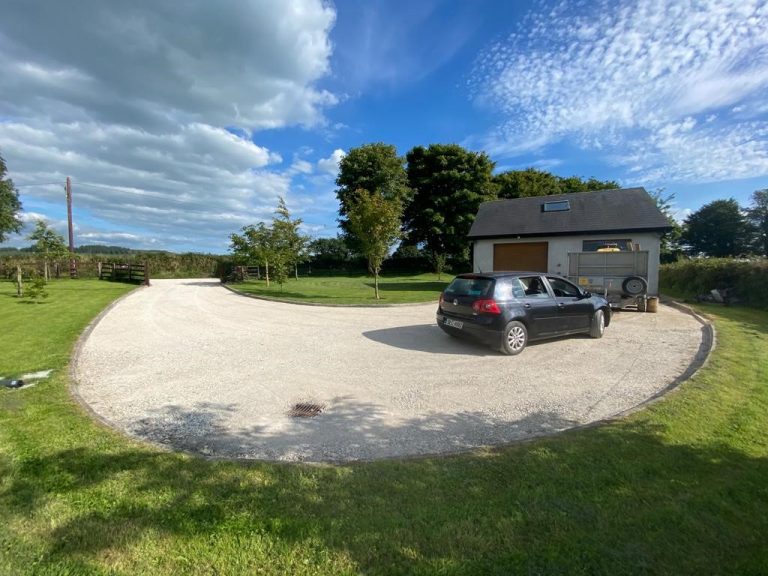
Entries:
{"x":254,"y":245}
{"x":370,"y":167}
{"x":290,"y":246}
{"x":330,"y":249}
{"x":375,"y":221}
{"x":48,"y":243}
{"x":576,"y":184}
{"x":10,"y":206}
{"x":758,"y":217}
{"x":449,"y":183}
{"x":534,"y":182}
{"x":670,"y":241}
{"x":717,"y":229}
{"x":525,"y":183}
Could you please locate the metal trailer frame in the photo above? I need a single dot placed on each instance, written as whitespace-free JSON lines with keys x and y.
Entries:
{"x":610,"y":274}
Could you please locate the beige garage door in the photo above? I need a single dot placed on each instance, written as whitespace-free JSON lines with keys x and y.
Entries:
{"x":524,"y":256}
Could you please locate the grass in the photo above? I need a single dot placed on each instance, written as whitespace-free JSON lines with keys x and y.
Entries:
{"x":679,"y":488}
{"x":352,"y":289}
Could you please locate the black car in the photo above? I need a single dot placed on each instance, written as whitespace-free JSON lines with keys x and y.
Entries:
{"x":507,"y":309}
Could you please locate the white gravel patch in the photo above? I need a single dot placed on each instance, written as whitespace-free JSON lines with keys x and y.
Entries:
{"x":193,"y":366}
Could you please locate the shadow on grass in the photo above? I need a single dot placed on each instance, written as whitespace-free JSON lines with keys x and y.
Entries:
{"x":613,"y":500}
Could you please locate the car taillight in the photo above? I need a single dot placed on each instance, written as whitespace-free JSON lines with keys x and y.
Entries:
{"x":487,"y":306}
{"x":442,"y":299}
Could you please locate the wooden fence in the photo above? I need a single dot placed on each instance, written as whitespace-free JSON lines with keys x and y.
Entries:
{"x":138,"y":273}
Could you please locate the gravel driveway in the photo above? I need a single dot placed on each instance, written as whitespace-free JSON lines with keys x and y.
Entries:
{"x":193,"y":366}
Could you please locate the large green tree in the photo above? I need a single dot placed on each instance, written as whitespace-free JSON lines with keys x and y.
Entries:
{"x":718,"y":229}
{"x":10,"y":206}
{"x":571,"y":184}
{"x":525,"y":183}
{"x":449,"y":183}
{"x":534,"y":182}
{"x":758,"y":217}
{"x":375,"y":221}
{"x":373,"y":166}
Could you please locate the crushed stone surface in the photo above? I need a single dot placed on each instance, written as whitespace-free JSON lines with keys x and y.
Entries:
{"x":193,"y":366}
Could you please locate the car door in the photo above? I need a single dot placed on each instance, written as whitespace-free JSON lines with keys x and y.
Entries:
{"x":539,"y":306}
{"x":574,"y":309}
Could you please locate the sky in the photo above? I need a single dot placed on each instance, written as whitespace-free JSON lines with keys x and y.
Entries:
{"x":181,"y":122}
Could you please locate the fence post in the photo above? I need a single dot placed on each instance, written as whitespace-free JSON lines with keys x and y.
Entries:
{"x":146,"y":273}
{"x":98,"y":267}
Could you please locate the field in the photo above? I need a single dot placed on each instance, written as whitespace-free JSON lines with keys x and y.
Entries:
{"x":679,"y":488}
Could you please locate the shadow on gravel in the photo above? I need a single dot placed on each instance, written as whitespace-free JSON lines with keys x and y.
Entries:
{"x":346,"y":430}
{"x":428,"y":338}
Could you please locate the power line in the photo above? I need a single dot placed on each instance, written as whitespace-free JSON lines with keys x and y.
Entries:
{"x":32,"y":185}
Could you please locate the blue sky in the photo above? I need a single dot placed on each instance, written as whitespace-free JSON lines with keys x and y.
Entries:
{"x":181,"y":123}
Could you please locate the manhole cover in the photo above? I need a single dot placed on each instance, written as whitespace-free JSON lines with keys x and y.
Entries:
{"x":305,"y":410}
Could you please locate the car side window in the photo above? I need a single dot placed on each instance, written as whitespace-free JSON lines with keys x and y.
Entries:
{"x":563,"y":289}
{"x":533,"y":287}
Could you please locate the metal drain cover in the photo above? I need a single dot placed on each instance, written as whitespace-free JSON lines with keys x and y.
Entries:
{"x":305,"y":410}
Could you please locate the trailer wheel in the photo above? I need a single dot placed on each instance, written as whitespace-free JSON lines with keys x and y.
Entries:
{"x":634,"y":285}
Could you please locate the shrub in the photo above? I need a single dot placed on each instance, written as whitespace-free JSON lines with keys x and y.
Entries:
{"x":747,"y":278}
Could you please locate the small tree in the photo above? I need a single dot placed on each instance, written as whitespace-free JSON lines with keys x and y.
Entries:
{"x":48,"y":243}
{"x":375,"y":220}
{"x":670,"y":241}
{"x":289,"y":242}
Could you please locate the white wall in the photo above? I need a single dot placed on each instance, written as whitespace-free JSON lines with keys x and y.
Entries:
{"x":560,"y":246}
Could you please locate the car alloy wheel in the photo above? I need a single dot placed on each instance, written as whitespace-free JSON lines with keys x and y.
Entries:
{"x":515,"y":338}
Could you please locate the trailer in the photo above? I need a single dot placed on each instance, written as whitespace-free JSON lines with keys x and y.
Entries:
{"x":622,"y":277}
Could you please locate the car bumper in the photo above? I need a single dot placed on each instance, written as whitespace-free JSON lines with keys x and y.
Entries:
{"x":483,"y":333}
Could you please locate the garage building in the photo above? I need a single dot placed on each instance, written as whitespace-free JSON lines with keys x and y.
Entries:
{"x":540,"y":233}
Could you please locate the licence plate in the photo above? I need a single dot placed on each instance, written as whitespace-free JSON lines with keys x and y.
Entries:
{"x":453,"y":323}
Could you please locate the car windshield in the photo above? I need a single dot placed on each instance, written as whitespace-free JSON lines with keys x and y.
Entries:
{"x":470,"y":287}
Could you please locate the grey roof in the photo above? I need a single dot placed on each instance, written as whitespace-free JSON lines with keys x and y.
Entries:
{"x":603,"y":211}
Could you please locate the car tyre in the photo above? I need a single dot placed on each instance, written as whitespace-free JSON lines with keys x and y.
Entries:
{"x":514,"y":338}
{"x":597,"y":328}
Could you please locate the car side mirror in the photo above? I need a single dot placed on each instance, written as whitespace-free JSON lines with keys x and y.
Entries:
{"x":586,"y":294}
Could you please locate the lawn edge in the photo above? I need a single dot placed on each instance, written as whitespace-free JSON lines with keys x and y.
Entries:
{"x":323,"y":304}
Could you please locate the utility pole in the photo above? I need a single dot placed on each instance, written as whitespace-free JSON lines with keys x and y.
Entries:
{"x":72,"y":261}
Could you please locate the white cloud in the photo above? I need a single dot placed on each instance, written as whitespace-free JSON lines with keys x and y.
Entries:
{"x":665,"y":76}
{"x":330,"y":165}
{"x":133,"y":101}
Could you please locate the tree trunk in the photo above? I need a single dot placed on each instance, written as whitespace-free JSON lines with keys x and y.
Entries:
{"x":376,"y":282}
{"x":45,"y":270}
{"x":19,"y":283}
{"x":296,"y":269}
{"x":266,"y":271}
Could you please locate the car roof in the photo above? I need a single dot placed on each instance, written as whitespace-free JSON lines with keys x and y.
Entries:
{"x":503,"y":274}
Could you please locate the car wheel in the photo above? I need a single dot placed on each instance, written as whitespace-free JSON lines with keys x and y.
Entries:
{"x":514,"y":338}
{"x":598,"y":324}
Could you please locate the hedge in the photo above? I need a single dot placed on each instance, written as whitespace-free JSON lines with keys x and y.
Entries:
{"x":748,"y":279}
{"x":161,"y":264}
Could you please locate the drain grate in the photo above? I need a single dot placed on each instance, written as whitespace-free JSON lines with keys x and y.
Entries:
{"x":305,"y":410}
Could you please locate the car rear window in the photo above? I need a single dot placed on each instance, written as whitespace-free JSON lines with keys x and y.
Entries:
{"x":470,"y":287}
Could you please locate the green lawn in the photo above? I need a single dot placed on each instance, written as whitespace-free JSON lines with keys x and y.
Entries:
{"x":352,"y":289}
{"x":680,"y":488}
